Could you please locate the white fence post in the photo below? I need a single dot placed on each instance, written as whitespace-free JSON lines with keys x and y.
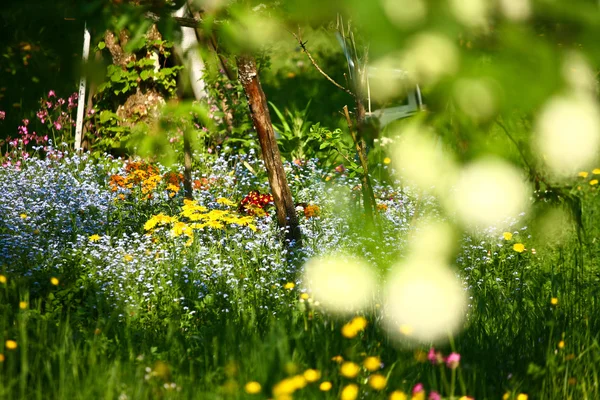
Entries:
{"x":81,"y":99}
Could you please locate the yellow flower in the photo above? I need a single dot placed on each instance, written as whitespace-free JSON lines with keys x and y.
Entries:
{"x":173,"y":188}
{"x":522,"y":396}
{"x":10,"y":344}
{"x":325,"y":386}
{"x":583,"y":174}
{"x":507,"y":235}
{"x":312,"y":375}
{"x":561,"y":344}
{"x":596,"y":171}
{"x":554,"y":301}
{"x":304,"y":296}
{"x":299,"y":381}
{"x":214,"y":224}
{"x":594,"y":182}
{"x":350,"y":392}
{"x":284,"y":387}
{"x":519,"y":247}
{"x":377,"y":381}
{"x":418,"y":396}
{"x":349,"y":369}
{"x":252,"y":387}
{"x":23,"y":216}
{"x":54,"y":281}
{"x":352,"y":328}
{"x":128,"y":257}
{"x":506,"y":396}
{"x":2,"y":358}
{"x":225,"y":202}
{"x":181,"y":228}
{"x":406,"y":329}
{"x":338,"y":359}
{"x":372,"y":363}
{"x":420,"y":356}
{"x":387,"y":160}
{"x":94,"y":238}
{"x":23,"y":305}
{"x":398,"y":395}
{"x":2,"y":279}
{"x":289,"y":285}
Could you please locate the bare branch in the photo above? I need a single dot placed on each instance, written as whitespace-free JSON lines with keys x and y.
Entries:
{"x":183,"y":21}
{"x":312,"y":60}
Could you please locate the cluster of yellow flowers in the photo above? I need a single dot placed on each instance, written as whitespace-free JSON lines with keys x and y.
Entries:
{"x":585,"y":174}
{"x":518,"y":247}
{"x":194,"y":216}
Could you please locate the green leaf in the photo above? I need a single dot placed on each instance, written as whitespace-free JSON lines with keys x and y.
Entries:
{"x":146,"y":74}
{"x":101,"y":45}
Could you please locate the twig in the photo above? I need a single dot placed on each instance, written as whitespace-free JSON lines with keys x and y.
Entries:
{"x":501,"y":125}
{"x":312,"y":60}
{"x":183,"y":21}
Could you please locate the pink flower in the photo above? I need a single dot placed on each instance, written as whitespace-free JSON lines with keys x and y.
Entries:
{"x":2,"y":115}
{"x":431,"y":356}
{"x":57,"y":125}
{"x":51,"y":93}
{"x":434,"y":396}
{"x":435,"y":357}
{"x":418,"y":388}
{"x":453,"y":360}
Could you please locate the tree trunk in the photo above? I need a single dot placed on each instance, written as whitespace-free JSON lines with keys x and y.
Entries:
{"x":259,"y":112}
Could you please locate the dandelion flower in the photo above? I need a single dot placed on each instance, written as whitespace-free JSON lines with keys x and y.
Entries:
{"x":10,"y":344}
{"x":311,"y":375}
{"x":325,"y":386}
{"x":23,"y":305}
{"x":398,"y":395}
{"x":561,"y":344}
{"x":554,"y":301}
{"x":387,"y":160}
{"x":372,"y":363}
{"x":54,"y":281}
{"x":304,"y":296}
{"x":352,"y":328}
{"x":596,"y":171}
{"x":128,"y":257}
{"x":594,"y":182}
{"x":583,"y":174}
{"x":349,"y":369}
{"x":94,"y":238}
{"x":350,"y":392}
{"x":507,"y":235}
{"x":2,"y":279}
{"x":377,"y":381}
{"x":2,"y":358}
{"x":23,"y":216}
{"x":289,"y":285}
{"x":519,"y":247}
{"x":252,"y":387}
{"x":522,"y":396}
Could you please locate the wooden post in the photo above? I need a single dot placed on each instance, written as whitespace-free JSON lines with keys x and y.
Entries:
{"x":259,"y":112}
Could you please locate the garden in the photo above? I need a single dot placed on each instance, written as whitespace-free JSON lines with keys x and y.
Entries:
{"x":300,"y":200}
